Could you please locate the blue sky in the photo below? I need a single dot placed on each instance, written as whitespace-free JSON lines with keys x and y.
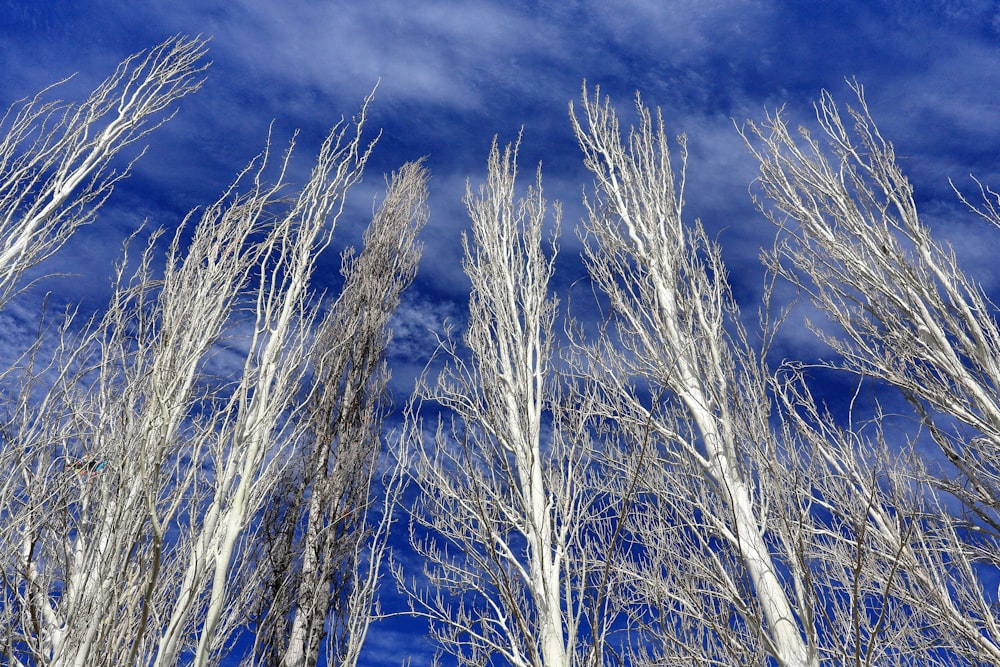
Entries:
{"x":455,"y":73}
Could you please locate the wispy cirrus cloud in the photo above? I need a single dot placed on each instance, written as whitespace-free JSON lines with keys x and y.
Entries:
{"x":454,"y":73}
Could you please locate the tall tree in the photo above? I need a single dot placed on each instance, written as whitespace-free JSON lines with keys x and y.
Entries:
{"x":908,"y":316}
{"x":55,"y":158}
{"x":678,"y":370}
{"x":317,"y":533}
{"x":143,"y":445}
{"x":504,"y":521}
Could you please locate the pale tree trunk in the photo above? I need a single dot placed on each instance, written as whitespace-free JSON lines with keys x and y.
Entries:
{"x":907,"y":315}
{"x":139,"y":474}
{"x":248,"y":460}
{"x":345,"y":423}
{"x":502,"y":504}
{"x":130,"y":431}
{"x":54,"y":179}
{"x":666,"y":285}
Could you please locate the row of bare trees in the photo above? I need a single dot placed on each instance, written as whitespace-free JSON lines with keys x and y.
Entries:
{"x":205,"y":464}
{"x":656,"y":488}
{"x":199,"y":459}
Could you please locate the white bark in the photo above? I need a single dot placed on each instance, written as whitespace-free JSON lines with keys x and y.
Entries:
{"x":502,"y":501}
{"x":54,"y":158}
{"x":136,"y":472}
{"x":907,"y":315}
{"x":253,"y":435}
{"x":643,"y":503}
{"x":666,"y":285}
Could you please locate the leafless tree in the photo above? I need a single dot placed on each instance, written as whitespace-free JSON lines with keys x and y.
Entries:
{"x":56,"y":159}
{"x":120,"y":406}
{"x":256,"y":425}
{"x":739,"y":564}
{"x":317,"y":531}
{"x":677,"y":366}
{"x":907,"y":315}
{"x":205,"y":456}
{"x":142,"y":446}
{"x":722,"y":516}
{"x":505,"y":522}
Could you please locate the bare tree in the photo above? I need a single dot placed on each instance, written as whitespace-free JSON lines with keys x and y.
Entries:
{"x":255,"y":425}
{"x":677,"y":340}
{"x":120,"y":407}
{"x":766,"y":533}
{"x":142,"y":447}
{"x":721,"y":519}
{"x":505,"y":522}
{"x":907,"y":315}
{"x":56,"y":159}
{"x":205,"y":457}
{"x":318,"y":529}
